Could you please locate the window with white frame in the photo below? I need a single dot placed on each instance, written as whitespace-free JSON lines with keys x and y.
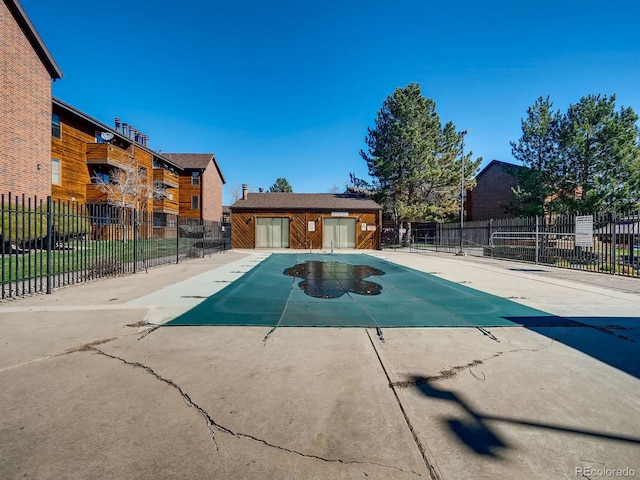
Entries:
{"x":55,"y":172}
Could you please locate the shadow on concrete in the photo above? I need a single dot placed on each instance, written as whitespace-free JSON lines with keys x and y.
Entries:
{"x":473,"y":431}
{"x":611,"y":340}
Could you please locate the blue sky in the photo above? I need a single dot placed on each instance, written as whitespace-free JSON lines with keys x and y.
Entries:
{"x":288,"y":88}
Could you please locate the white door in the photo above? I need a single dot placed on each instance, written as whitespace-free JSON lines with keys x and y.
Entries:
{"x":272,"y":232}
{"x":340,"y":231}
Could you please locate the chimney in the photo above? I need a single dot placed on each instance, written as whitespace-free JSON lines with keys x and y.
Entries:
{"x":117,"y":122}
{"x":125,"y":129}
{"x":244,"y":191}
{"x":132,"y":131}
{"x":145,"y":140}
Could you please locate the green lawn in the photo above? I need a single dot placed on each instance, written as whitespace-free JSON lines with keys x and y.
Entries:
{"x":89,"y":255}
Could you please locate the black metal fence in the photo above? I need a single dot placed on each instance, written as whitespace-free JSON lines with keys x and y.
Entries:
{"x":46,"y":244}
{"x":601,"y":242}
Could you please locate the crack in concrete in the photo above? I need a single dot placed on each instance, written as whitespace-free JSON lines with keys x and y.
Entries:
{"x":212,"y":424}
{"x":444,"y":374}
{"x":453,"y":371}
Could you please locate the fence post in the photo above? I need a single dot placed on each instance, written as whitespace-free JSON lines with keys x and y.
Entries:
{"x":537,"y":240}
{"x":49,"y":235}
{"x":135,"y":240}
{"x":177,"y":239}
{"x":614,"y":240}
{"x":490,"y":227}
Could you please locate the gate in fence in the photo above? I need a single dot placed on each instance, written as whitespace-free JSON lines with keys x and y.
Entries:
{"x":602,"y":242}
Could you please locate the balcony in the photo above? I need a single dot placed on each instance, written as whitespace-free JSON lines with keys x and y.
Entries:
{"x":165,"y":177}
{"x":96,"y":195}
{"x":107,"y":154}
{"x":164,"y":205}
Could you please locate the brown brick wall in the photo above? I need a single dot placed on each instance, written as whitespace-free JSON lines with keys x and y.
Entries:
{"x":492,"y":194}
{"x":25,"y":113}
{"x":209,"y":191}
{"x":212,"y":194}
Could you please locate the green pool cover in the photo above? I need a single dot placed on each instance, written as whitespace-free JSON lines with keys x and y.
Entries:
{"x":354,"y":290}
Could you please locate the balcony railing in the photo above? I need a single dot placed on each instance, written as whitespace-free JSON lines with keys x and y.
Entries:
{"x":165,"y":177}
{"x":107,"y":154}
{"x":95,"y":194}
{"x":164,"y":205}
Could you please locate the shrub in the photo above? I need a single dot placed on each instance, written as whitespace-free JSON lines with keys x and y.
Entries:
{"x":21,"y":225}
{"x":68,"y":222}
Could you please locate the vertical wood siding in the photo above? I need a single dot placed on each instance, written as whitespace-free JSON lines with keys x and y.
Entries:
{"x":243,"y":229}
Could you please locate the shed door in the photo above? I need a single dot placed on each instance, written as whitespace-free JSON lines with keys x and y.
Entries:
{"x":272,"y":232}
{"x":342,"y":231}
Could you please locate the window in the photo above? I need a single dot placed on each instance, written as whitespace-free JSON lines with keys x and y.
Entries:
{"x":195,"y":202}
{"x":55,"y":171}
{"x":195,"y":178}
{"x":159,"y":219}
{"x":100,"y":177}
{"x":55,"y":125}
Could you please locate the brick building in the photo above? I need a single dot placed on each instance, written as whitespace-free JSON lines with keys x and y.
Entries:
{"x":493,"y":191}
{"x":201,"y":181}
{"x":28,"y":69}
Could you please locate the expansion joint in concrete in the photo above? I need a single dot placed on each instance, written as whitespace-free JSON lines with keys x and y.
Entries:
{"x":429,"y":463}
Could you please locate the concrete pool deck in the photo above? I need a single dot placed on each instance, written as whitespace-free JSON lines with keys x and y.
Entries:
{"x":86,"y":394}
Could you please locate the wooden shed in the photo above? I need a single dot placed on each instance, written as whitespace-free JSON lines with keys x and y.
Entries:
{"x":305,"y":221}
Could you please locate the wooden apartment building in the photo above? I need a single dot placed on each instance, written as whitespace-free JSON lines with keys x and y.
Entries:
{"x":85,"y":153}
{"x":201,"y":182}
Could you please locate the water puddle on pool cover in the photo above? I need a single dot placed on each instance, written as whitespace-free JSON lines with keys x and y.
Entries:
{"x":334,"y":279}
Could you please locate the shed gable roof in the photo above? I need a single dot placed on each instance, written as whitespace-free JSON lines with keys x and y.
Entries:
{"x":304,"y":201}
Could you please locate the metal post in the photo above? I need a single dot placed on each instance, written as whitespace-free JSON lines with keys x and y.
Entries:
{"x":490,"y":233}
{"x":537,"y":240}
{"x":461,"y":252}
{"x":135,"y":241}
{"x":614,"y":241}
{"x":49,"y":234}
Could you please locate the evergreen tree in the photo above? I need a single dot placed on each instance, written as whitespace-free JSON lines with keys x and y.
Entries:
{"x":281,"y":185}
{"x":600,"y":156}
{"x":585,"y":160}
{"x":414,"y":161}
{"x":537,"y":149}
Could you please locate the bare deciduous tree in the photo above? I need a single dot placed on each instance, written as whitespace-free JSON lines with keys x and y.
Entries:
{"x":131,"y":187}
